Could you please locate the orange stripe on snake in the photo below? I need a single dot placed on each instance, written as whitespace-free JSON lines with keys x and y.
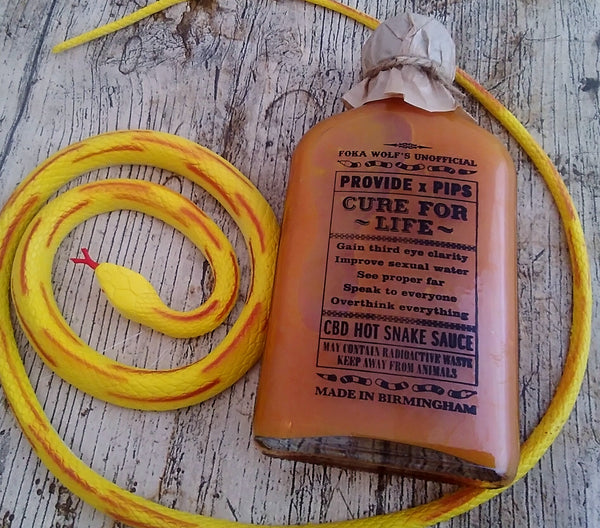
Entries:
{"x":236,"y":341}
{"x":58,"y":320}
{"x":177,"y":397}
{"x":7,"y":237}
{"x":22,"y":274}
{"x":59,"y":222}
{"x":94,"y":367}
{"x":108,"y":151}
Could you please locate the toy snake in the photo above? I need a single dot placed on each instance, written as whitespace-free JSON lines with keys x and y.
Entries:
{"x":243,"y":344}
{"x":129,"y":292}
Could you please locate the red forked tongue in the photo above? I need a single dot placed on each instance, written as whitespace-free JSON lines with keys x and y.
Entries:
{"x":87,"y":260}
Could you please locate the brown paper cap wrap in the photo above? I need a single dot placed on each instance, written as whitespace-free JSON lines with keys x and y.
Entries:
{"x":412,"y":56}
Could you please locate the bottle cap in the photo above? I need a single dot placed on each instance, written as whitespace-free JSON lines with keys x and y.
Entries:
{"x":408,"y":55}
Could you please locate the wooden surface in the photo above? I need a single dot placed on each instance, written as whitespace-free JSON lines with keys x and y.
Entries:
{"x":247,"y":79}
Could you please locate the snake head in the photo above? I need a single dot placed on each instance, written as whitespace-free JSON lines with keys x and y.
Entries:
{"x":128,"y":291}
{"x":132,"y":295}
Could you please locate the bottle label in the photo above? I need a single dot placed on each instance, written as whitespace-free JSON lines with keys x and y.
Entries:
{"x":399,"y":306}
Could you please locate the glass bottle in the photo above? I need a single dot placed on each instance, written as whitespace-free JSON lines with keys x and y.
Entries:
{"x":392,"y":340}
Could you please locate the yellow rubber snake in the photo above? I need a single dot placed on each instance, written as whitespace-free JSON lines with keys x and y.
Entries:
{"x":242,"y":347}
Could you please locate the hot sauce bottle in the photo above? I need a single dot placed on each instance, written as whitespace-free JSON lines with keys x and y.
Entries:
{"x":392,"y":340}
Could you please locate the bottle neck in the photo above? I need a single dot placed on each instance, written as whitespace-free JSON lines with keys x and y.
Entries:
{"x":397,"y":103}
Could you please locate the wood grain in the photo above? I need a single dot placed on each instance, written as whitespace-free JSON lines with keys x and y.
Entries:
{"x":247,"y":79}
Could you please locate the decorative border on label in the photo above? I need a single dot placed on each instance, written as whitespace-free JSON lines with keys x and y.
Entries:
{"x":396,"y":319}
{"x":402,"y":240}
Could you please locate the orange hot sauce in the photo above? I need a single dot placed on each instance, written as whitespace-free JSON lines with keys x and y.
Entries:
{"x":392,"y":341}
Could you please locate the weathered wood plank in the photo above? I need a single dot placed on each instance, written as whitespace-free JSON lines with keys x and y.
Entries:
{"x":248,"y":79}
